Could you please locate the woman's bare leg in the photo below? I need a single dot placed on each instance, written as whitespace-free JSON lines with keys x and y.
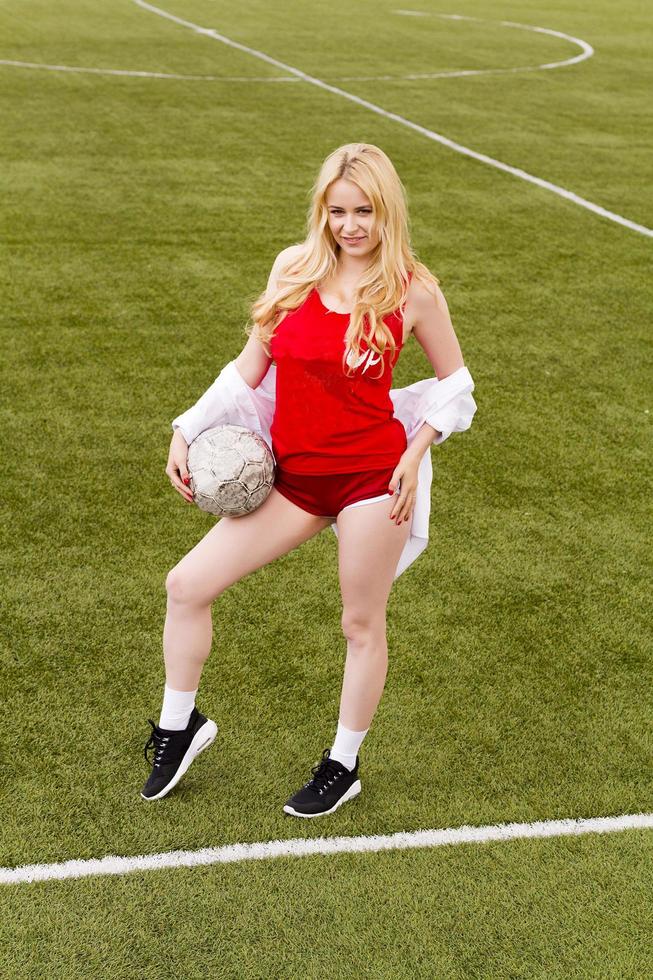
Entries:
{"x":369,"y":548}
{"x":234,"y":547}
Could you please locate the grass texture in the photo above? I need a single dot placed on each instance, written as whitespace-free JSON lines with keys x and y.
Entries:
{"x":141,"y":217}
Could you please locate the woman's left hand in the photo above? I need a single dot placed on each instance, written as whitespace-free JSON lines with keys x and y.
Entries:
{"x":406,"y":471}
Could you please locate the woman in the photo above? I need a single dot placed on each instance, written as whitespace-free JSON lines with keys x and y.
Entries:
{"x":336,"y":312}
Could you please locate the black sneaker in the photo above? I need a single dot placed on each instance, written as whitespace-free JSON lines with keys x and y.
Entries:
{"x":174,"y":752}
{"x":331,"y":785}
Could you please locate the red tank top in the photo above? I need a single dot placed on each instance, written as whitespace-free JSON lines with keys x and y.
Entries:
{"x":325,"y":422}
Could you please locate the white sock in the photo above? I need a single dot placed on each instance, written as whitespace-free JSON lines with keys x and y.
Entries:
{"x":346,"y":746}
{"x":177,"y":709}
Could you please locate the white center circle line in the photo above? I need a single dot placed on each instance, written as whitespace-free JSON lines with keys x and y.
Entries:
{"x":586,"y":52}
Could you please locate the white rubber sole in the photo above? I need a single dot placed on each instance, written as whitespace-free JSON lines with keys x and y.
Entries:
{"x":201,"y":740}
{"x":353,"y":791}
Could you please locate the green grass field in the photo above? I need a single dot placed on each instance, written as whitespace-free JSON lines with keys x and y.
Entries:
{"x":141,"y":216}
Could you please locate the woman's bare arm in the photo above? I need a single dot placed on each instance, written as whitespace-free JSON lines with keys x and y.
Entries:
{"x":253,"y":361}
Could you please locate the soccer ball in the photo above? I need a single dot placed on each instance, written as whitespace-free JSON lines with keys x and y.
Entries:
{"x":231,"y":470}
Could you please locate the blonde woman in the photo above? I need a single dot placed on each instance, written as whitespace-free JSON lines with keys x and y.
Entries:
{"x":337,"y":310}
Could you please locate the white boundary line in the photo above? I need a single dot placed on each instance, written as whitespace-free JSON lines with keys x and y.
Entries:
{"x":131,"y":73}
{"x":299,"y":847}
{"x":586,"y":52}
{"x":429,"y":133}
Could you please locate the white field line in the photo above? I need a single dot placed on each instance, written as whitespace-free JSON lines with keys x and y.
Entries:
{"x":145,"y":74}
{"x":429,"y":133}
{"x":586,"y":52}
{"x":300,"y":847}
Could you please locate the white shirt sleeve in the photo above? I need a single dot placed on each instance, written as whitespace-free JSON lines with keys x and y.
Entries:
{"x":229,"y":401}
{"x":445,"y":404}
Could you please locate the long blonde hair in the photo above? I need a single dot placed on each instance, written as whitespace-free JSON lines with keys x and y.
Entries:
{"x":383,"y":286}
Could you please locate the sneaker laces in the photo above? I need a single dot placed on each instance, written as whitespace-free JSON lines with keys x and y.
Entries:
{"x":324,"y":774}
{"x":159,"y":743}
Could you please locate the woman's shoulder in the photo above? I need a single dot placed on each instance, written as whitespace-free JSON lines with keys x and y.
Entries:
{"x":283,"y":260}
{"x":419,"y":297}
{"x":421,"y":292}
{"x":287,"y":255}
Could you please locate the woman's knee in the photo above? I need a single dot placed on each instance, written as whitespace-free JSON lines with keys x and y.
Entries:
{"x":360,"y":625}
{"x":182,"y":588}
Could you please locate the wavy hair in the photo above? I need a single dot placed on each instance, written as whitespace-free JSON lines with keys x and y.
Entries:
{"x":383,"y":286}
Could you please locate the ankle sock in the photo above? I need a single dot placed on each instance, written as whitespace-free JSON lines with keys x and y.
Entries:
{"x":177,"y":709}
{"x":346,"y":745}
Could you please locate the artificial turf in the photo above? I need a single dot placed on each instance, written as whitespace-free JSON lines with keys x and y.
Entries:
{"x":141,"y":218}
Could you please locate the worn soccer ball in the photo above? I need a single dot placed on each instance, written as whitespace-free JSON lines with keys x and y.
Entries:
{"x":231,"y":470}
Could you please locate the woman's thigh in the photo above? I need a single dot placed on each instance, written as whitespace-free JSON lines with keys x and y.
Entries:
{"x":369,"y":548}
{"x":236,"y":546}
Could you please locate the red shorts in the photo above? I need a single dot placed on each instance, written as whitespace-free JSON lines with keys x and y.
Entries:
{"x":326,"y":495}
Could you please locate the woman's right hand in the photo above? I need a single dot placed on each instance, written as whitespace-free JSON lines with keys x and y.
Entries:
{"x":176,"y":467}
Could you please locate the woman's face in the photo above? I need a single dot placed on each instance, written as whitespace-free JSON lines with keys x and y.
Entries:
{"x":350,"y":217}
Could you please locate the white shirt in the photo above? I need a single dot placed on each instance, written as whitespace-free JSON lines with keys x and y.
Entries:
{"x":447,"y":405}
